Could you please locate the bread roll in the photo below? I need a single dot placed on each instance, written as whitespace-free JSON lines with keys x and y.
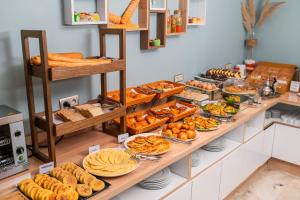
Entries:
{"x":129,"y":11}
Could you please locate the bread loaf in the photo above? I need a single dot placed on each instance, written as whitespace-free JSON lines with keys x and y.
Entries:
{"x":129,"y":11}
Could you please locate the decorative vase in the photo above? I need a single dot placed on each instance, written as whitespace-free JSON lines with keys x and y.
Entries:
{"x":251,"y":42}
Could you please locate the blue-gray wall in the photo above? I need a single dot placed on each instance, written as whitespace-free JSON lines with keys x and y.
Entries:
{"x":279,"y":39}
{"x":219,"y":42}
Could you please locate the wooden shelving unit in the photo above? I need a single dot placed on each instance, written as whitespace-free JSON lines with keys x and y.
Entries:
{"x":197,"y":8}
{"x":143,"y":13}
{"x":44,"y":121}
{"x":69,"y":10}
{"x":160,"y":31}
{"x":183,"y":6}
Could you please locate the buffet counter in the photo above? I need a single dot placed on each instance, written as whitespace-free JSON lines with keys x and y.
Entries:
{"x":75,"y":148}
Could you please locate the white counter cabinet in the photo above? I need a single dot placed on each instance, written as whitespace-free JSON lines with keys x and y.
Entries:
{"x":287,"y":144}
{"x":206,"y":185}
{"x":183,"y":193}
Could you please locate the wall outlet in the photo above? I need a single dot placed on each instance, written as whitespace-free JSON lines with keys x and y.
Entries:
{"x":68,"y":102}
{"x":178,"y":78}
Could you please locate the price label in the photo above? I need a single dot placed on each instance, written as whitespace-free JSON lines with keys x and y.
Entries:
{"x":295,"y":86}
{"x":94,"y":148}
{"x":46,"y":168}
{"x":122,"y":137}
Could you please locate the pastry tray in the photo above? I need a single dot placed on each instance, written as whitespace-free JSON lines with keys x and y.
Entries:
{"x":106,"y":185}
{"x":160,"y":94}
{"x":145,"y":99}
{"x":190,"y":111}
{"x":148,"y":128}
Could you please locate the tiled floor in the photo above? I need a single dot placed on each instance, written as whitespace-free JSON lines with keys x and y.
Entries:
{"x":269,"y":184}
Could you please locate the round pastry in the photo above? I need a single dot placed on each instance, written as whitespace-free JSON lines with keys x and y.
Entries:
{"x":84,"y":190}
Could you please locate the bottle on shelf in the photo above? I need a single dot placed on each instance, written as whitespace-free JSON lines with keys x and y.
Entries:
{"x":173,"y":24}
{"x":177,"y":14}
{"x":169,"y":22}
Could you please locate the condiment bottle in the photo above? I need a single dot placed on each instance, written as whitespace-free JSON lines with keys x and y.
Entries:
{"x":173,"y":24}
{"x":169,"y":29}
{"x":178,"y":20}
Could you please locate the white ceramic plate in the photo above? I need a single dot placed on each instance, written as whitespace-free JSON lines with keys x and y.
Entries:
{"x":105,"y":175}
{"x":145,"y":135}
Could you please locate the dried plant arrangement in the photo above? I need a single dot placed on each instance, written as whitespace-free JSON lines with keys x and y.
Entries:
{"x":251,"y":22}
{"x":249,"y":13}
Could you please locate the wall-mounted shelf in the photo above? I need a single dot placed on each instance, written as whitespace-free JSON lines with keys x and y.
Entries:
{"x":183,"y":7}
{"x":70,"y":9}
{"x":196,"y":10}
{"x":160,"y":31}
{"x":142,"y":19}
{"x":158,"y":5}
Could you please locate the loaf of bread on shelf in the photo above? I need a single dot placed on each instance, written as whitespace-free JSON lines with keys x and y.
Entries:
{"x":113,"y":18}
{"x":129,"y":11}
{"x":89,"y":110}
{"x":69,"y":60}
{"x":69,"y":115}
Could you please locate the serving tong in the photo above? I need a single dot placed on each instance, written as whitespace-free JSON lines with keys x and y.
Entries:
{"x":177,"y":140}
{"x":139,"y":156}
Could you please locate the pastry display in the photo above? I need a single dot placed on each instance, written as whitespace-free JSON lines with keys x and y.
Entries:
{"x":63,"y":191}
{"x":133,"y":96}
{"x":83,"y":177}
{"x":192,"y":95}
{"x":202,"y":123}
{"x":143,"y":121}
{"x":89,"y":110}
{"x":180,"y":130}
{"x":226,"y":72}
{"x":69,"y":60}
{"x":235,"y":89}
{"x":202,"y":85}
{"x":175,"y":110}
{"x":34,"y":191}
{"x":163,"y":89}
{"x":219,"y":109}
{"x":69,"y":115}
{"x":109,"y":163}
{"x":148,"y":144}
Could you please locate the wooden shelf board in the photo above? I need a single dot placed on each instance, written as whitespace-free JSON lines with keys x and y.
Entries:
{"x":154,"y":47}
{"x":70,"y":127}
{"x":175,"y":34}
{"x":157,"y":11}
{"x":197,"y":24}
{"x":87,"y":23}
{"x":61,"y":73}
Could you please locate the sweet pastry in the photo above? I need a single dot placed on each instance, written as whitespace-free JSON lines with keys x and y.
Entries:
{"x":84,"y":190}
{"x":149,"y":145}
{"x":83,"y":177}
{"x":180,"y":131}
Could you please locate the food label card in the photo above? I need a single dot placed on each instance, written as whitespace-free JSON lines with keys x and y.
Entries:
{"x":46,"y":168}
{"x":94,"y":148}
{"x":122,"y":137}
{"x":295,"y":86}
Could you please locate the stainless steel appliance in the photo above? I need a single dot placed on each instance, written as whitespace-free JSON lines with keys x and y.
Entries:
{"x":13,"y":153}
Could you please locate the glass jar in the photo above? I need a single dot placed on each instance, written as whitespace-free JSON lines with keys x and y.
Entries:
{"x":169,"y":23}
{"x":178,"y":17}
{"x":173,"y":24}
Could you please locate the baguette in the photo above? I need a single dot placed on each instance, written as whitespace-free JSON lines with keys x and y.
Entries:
{"x":113,"y":18}
{"x":129,"y":11}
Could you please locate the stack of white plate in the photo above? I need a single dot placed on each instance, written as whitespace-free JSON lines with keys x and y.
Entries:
{"x":158,"y":181}
{"x":196,"y":158}
{"x":215,"y":146}
{"x":275,"y":113}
